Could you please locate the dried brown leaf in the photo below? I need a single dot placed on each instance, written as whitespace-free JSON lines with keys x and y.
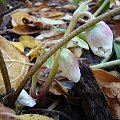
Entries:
{"x":16,"y":62}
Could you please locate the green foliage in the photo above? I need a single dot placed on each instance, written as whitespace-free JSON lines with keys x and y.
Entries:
{"x":2,"y":1}
{"x":59,"y":29}
{"x":100,"y":2}
{"x":77,"y":1}
{"x":117,"y":49}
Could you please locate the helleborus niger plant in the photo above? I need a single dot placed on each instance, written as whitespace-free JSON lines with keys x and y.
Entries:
{"x":99,"y":37}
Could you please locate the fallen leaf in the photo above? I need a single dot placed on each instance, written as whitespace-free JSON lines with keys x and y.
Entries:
{"x":17,"y":18}
{"x":17,"y":64}
{"x":70,"y":7}
{"x":24,"y":30}
{"x":39,"y":6}
{"x":29,"y":41}
{"x":110,"y":85}
{"x":52,"y":15}
{"x":18,"y":45}
{"x":34,"y":117}
{"x":7,"y":113}
{"x":103,"y":77}
{"x":48,"y":21}
{"x":47,"y":35}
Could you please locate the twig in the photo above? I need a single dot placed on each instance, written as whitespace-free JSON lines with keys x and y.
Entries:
{"x":49,"y":111}
{"x":10,"y":10}
{"x":5,"y":75}
{"x":59,"y":45}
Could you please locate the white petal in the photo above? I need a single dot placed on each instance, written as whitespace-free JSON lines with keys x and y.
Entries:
{"x":25,"y":99}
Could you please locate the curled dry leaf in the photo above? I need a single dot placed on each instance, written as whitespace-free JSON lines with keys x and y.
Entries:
{"x":110,"y":85}
{"x":24,"y":30}
{"x":17,"y":18}
{"x":17,"y":64}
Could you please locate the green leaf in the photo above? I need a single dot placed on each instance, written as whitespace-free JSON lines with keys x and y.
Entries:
{"x":81,"y":42}
{"x":117,"y":49}
{"x":81,"y":35}
{"x":76,"y":1}
{"x":50,"y":60}
{"x":59,"y":29}
{"x":100,"y":2}
{"x":2,"y":1}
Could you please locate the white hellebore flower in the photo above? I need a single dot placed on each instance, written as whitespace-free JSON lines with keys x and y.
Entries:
{"x":69,"y":65}
{"x":100,"y":39}
{"x":25,"y":99}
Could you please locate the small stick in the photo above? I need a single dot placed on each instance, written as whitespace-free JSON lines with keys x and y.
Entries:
{"x":10,"y":10}
{"x":5,"y":75}
{"x":49,"y":111}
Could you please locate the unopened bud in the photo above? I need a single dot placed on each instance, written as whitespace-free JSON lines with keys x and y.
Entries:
{"x":100,"y":39}
{"x":69,"y":65}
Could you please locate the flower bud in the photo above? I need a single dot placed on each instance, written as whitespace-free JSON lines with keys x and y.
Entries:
{"x":69,"y":65}
{"x":100,"y":39}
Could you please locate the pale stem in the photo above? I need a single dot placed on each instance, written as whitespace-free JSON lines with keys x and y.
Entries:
{"x":107,"y":64}
{"x":34,"y":77}
{"x":106,"y":59}
{"x":53,"y":71}
{"x":74,"y":20}
{"x":101,"y":7}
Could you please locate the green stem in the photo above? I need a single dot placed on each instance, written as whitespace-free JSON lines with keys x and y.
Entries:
{"x":75,"y":19}
{"x":106,"y":59}
{"x":34,"y":77}
{"x":58,"y":46}
{"x":50,"y":78}
{"x":101,"y":7}
{"x":107,"y":64}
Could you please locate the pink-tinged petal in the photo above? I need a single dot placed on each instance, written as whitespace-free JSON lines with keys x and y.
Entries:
{"x":69,"y":65}
{"x":100,"y":39}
